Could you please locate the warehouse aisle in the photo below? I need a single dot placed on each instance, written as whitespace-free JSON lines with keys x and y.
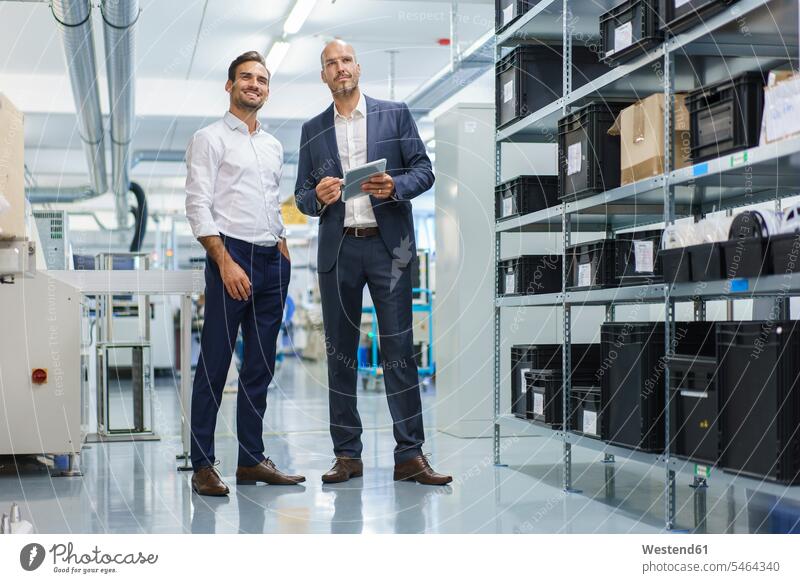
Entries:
{"x":134,"y":488}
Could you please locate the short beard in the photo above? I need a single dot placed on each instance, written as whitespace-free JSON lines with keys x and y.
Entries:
{"x":347,"y":91}
{"x":241,"y":104}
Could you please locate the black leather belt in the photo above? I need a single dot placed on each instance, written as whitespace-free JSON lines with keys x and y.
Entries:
{"x":361,"y":232}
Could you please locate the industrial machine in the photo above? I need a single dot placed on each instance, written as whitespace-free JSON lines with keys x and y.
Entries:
{"x":43,"y":380}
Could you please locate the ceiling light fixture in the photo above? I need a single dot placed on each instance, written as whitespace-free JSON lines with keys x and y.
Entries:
{"x":276,"y":55}
{"x":297,"y":17}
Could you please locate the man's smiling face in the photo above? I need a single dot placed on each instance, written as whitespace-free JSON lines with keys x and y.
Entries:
{"x":251,"y":88}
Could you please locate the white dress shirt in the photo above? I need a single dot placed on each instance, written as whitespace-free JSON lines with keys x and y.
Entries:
{"x":232,"y":182}
{"x":351,"y":139}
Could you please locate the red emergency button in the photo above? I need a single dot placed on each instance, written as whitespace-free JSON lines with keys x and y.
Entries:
{"x":39,"y":376}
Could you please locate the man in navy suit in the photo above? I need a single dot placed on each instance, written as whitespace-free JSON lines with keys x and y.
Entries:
{"x":366,"y":241}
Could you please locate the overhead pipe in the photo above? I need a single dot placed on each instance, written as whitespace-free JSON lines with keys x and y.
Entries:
{"x":75,"y":23}
{"x":119,"y":20}
{"x":49,"y":194}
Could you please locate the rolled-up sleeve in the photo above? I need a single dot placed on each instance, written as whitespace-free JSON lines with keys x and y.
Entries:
{"x":202,"y":162}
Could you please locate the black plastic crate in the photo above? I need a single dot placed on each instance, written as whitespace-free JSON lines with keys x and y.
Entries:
{"x":638,"y":258}
{"x":531,"y":77}
{"x":591,"y":265}
{"x":759,"y":399}
{"x":629,"y":29}
{"x":530,"y":274}
{"x":726,"y":117}
{"x":545,"y":386}
{"x":524,"y":358}
{"x":633,"y":379}
{"x":707,"y":261}
{"x":680,"y":15}
{"x":589,"y":159}
{"x":676,"y":264}
{"x":745,"y":257}
{"x":586,"y":410}
{"x":693,"y":407}
{"x":507,"y":11}
{"x":525,"y":194}
{"x":784,"y":253}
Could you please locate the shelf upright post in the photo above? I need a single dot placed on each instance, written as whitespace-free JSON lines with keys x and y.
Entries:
{"x":566,"y":225}
{"x":497,"y":237}
{"x":669,"y":303}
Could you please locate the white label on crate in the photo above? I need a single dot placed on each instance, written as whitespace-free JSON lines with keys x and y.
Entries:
{"x":574,"y":159}
{"x":584,"y":275}
{"x":508,"y":14}
{"x":508,"y":91}
{"x":623,"y":36}
{"x":679,"y":3}
{"x":538,"y":404}
{"x":643,"y":253}
{"x":508,"y":206}
{"x":511,"y":283}
{"x":522,"y":378}
{"x":590,"y":422}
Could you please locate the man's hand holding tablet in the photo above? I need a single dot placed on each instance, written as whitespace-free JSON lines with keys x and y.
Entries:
{"x":367,"y":179}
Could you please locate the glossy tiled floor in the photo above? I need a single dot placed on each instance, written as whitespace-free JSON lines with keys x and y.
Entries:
{"x":135,"y":488}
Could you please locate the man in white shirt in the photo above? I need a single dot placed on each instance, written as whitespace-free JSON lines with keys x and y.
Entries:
{"x":233,"y":206}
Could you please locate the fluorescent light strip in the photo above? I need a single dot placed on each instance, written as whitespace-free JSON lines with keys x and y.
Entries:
{"x":276,"y":55}
{"x":297,"y":17}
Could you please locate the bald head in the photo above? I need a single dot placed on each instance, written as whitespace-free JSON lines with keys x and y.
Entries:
{"x":336,"y":46}
{"x":340,"y":70}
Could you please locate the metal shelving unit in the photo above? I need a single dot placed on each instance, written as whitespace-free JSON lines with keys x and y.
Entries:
{"x":750,"y":34}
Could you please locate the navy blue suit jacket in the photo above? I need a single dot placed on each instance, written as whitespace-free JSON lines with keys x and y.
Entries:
{"x":391,"y":134}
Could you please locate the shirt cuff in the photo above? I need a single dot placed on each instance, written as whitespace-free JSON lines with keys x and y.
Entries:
{"x":206,"y":230}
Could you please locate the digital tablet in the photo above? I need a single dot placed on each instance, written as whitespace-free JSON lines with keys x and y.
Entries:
{"x":355,"y":177}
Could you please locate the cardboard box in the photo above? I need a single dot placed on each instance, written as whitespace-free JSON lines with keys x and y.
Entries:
{"x":12,"y":170}
{"x":641,"y":131}
{"x":781,"y":107}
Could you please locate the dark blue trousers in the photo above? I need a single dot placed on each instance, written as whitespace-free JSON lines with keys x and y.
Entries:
{"x":366,"y":261}
{"x":260,"y":318}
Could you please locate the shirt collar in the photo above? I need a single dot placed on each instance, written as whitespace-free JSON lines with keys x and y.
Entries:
{"x":235,"y":123}
{"x":361,"y":107}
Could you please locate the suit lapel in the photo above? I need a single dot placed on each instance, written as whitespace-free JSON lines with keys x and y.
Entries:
{"x":372,"y":127}
{"x":330,"y":138}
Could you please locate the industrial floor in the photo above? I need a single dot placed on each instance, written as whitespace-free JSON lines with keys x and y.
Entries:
{"x":135,"y":487}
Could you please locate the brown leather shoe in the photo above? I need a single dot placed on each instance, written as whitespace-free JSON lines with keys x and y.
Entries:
{"x":265,"y":472}
{"x":207,"y":482}
{"x":343,"y":469}
{"x":418,"y":469}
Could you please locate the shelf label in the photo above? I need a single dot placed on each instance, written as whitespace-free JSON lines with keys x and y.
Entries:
{"x":508,"y":206}
{"x":590,"y":422}
{"x":738,"y":159}
{"x":511,"y":283}
{"x":574,"y":159}
{"x":584,"y":275}
{"x":623,"y":36}
{"x":738,"y":285}
{"x":538,"y":404}
{"x":700,"y":169}
{"x":703,"y":471}
{"x":643,"y":252}
{"x":508,"y":91}
{"x":508,"y":14}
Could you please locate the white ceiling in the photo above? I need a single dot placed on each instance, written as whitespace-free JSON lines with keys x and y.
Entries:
{"x":183,"y":51}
